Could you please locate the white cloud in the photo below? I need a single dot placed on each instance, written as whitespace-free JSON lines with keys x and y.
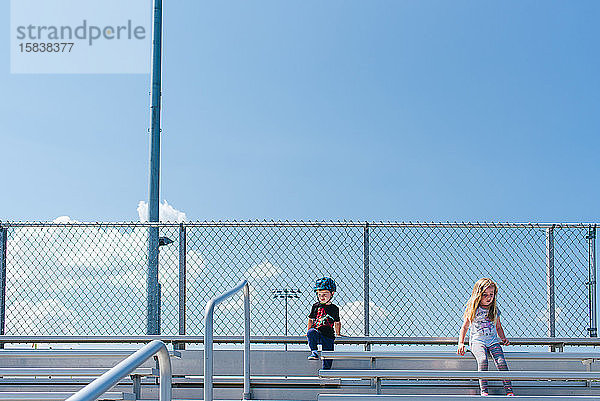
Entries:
{"x":64,"y":220}
{"x":166,"y":213}
{"x":544,"y":314}
{"x":50,"y":264}
{"x":233,"y":303}
{"x":263,"y":270}
{"x":38,"y":316}
{"x":194,"y":260}
{"x":352,"y":316}
{"x":100,"y":247}
{"x":353,"y":310}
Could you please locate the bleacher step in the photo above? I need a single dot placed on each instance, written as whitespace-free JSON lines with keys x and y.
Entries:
{"x":420,"y":397}
{"x":69,"y":371}
{"x":73,"y":353}
{"x":58,"y":396}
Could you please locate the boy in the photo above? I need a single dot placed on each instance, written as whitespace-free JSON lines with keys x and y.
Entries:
{"x":323,"y":320}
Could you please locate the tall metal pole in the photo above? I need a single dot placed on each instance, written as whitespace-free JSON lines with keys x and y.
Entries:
{"x":152,"y":325}
{"x":593,"y":329}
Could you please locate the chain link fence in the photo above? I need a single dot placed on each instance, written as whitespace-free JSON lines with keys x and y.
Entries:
{"x":394,"y":279}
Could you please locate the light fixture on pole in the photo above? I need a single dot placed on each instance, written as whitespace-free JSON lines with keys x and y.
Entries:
{"x":286,"y":293}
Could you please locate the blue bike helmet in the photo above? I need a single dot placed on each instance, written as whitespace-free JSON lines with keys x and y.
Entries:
{"x":325,"y":283}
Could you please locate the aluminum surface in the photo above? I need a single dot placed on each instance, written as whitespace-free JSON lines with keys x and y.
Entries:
{"x":109,"y":379}
{"x":208,"y":339}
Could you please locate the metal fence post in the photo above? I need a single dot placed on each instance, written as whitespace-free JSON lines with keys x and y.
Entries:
{"x":182,"y":281}
{"x":3,"y":252}
{"x":591,"y":237}
{"x":152,"y":283}
{"x":366,"y":282}
{"x":550,"y":282}
{"x":158,"y":307}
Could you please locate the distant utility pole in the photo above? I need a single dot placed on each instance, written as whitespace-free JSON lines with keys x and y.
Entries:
{"x":152,"y":286}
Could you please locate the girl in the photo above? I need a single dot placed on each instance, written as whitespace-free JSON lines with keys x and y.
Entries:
{"x":482,"y":315}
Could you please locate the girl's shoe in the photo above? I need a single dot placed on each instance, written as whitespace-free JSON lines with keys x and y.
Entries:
{"x":511,"y":394}
{"x":484,"y":394}
{"x":313,"y":356}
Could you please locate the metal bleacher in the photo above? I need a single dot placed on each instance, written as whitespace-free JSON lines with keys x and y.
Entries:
{"x":49,"y":374}
{"x":442,"y":375}
{"x":366,"y":397}
{"x":277,"y":374}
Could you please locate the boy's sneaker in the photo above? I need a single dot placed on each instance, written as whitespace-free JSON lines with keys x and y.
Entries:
{"x":484,"y":394}
{"x":511,"y":394}
{"x":313,"y":356}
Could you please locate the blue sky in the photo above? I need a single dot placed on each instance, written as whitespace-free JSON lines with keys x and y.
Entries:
{"x":391,"y":110}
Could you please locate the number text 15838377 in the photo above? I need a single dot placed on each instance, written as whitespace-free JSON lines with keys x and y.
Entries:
{"x":50,"y":47}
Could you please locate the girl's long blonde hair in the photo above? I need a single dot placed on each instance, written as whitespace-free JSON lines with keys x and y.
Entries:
{"x":473,"y":303}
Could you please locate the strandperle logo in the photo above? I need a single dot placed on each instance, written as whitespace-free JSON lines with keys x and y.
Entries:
{"x":80,"y":36}
{"x":85,"y":31}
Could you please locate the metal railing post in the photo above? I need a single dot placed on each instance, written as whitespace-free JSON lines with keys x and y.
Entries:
{"x":182,"y":281}
{"x":3,"y":252}
{"x":208,"y":340}
{"x":366,"y":299}
{"x":550,"y":296}
{"x":591,"y":237}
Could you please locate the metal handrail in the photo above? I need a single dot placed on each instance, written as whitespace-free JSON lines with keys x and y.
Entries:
{"x":109,"y":379}
{"x":208,"y":340}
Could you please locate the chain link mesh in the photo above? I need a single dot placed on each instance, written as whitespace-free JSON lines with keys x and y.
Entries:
{"x":270,"y":258}
{"x":90,"y":279}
